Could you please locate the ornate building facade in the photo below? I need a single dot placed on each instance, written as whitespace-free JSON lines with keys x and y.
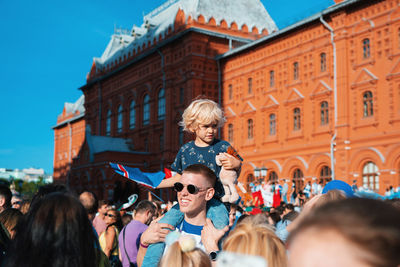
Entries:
{"x":316,"y":100}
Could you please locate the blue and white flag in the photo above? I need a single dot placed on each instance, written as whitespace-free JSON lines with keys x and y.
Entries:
{"x":150,"y":179}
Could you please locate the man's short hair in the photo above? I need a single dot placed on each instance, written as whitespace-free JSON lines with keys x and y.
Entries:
{"x":290,"y":207}
{"x":89,"y":202}
{"x":202,"y":170}
{"x":103,"y":202}
{"x":145,"y":205}
{"x":6,"y":193}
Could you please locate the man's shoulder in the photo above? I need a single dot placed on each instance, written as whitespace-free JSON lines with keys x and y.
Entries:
{"x":135,"y":227}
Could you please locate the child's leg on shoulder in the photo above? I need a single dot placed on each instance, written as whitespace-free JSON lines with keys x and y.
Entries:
{"x":217,"y":213}
{"x":173,"y":216}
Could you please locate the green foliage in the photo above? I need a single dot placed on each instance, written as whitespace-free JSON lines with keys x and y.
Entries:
{"x":28,"y":188}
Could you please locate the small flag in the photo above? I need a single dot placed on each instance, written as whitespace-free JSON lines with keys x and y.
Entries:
{"x":168,"y":173}
{"x":150,"y":179}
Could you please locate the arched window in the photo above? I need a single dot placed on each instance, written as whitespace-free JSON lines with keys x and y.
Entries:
{"x":146,"y":110}
{"x":324,"y":113}
{"x":368,"y":104}
{"x":250,"y":85}
{"x":325,"y":174}
{"x":250,"y":129}
{"x":323,"y":62}
{"x":273,"y":177}
{"x":161,"y":104}
{"x":271,"y":78}
{"x":230,"y":92}
{"x":272,"y":124}
{"x":146,"y":144}
{"x":230,"y":133}
{"x":120,"y":119}
{"x":366,"y":48}
{"x":132,"y":115}
{"x":370,"y":176}
{"x":108,"y":122}
{"x":298,"y":179}
{"x":295,"y":70}
{"x":296,"y":119}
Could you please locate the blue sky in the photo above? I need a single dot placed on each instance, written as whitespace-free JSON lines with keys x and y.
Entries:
{"x":47,"y":50}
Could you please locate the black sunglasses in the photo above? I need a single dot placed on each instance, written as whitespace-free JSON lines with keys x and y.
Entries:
{"x":192,"y":189}
{"x":110,"y":215}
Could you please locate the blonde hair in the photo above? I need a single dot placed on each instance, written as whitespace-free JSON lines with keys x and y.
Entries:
{"x":203,"y":111}
{"x":176,"y":257}
{"x":257,"y":239}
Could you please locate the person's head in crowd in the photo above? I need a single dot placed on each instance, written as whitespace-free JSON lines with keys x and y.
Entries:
{"x":183,"y":253}
{"x":257,"y":239}
{"x":25,"y":206}
{"x":55,"y":232}
{"x":103,"y":207}
{"x":339,"y":185}
{"x":255,"y":219}
{"x":193,"y":203}
{"x":5,"y":197}
{"x":126,"y":218}
{"x":232,"y":214}
{"x":158,"y":212}
{"x":16,"y":202}
{"x":145,"y":211}
{"x":350,"y":232}
{"x":113,"y":217}
{"x":280,"y":210}
{"x":44,"y":190}
{"x":274,"y":218}
{"x":9,"y":218}
{"x":89,"y":202}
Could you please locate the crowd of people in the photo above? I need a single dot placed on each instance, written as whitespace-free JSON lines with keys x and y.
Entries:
{"x":318,"y":226}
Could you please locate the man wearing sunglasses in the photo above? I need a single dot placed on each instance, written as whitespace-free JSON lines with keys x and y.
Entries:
{"x":195,"y":189}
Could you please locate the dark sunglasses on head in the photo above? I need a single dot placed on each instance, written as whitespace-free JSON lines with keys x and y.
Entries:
{"x":111,"y":215}
{"x":192,"y":189}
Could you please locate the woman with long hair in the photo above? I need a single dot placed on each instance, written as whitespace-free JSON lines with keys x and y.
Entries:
{"x":109,"y":238}
{"x":55,"y":232}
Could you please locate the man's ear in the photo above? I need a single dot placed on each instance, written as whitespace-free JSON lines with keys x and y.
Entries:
{"x":210,"y":193}
{"x":2,"y":201}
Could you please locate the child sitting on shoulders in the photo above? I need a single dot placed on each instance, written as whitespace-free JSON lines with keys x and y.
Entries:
{"x":202,"y":117}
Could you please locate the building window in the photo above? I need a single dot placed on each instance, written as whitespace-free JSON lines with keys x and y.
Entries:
{"x":325,"y":174}
{"x":146,"y":110}
{"x":180,"y":136}
{"x":295,"y":71}
{"x":250,"y":129}
{"x":230,"y":92}
{"x":298,"y":179}
{"x":146,"y":144}
{"x":368,"y":104}
{"x":272,"y":124}
{"x":181,"y":95}
{"x":370,"y":176}
{"x":161,"y":142}
{"x":273,"y":177}
{"x":230,"y":133}
{"x":324,"y":113}
{"x":132,"y":115}
{"x":108,"y":123}
{"x":296,"y":119}
{"x":250,"y":85}
{"x":271,"y":78}
{"x":366,"y":48}
{"x":323,"y":62}
{"x":119,"y":119}
{"x":161,"y":104}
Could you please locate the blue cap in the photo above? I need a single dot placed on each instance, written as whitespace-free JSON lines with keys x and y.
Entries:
{"x":338,"y":185}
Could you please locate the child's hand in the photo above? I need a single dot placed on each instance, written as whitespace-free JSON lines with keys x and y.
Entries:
{"x":229,"y":162}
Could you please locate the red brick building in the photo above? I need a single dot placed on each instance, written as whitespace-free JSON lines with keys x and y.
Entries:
{"x":318,"y":99}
